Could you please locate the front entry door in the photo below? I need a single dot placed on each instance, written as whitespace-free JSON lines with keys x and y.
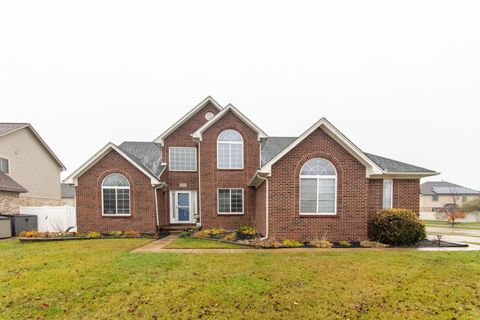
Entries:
{"x":182,"y":207}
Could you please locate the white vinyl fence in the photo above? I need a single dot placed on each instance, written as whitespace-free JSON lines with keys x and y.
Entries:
{"x":470,"y":217}
{"x":53,"y":219}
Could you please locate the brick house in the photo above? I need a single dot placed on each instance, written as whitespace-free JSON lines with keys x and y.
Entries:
{"x":216,"y":168}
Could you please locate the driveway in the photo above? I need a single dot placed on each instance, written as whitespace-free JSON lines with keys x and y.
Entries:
{"x":455,"y":231}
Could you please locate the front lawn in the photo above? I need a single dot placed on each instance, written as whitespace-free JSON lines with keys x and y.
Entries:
{"x":192,"y":243}
{"x":101,"y":279}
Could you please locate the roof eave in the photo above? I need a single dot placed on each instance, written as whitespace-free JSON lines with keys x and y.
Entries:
{"x":404,"y":175}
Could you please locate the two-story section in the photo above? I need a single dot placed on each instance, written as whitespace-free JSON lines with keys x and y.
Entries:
{"x":28,"y":160}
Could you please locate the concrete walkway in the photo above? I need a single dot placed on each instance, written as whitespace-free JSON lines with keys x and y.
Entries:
{"x":159,"y":246}
{"x":454,"y":231}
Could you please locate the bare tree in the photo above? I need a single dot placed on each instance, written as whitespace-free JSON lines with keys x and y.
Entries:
{"x":451,"y":211}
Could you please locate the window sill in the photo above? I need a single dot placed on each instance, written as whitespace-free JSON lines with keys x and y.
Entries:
{"x":116,"y":215}
{"x":230,"y":169}
{"x":230,"y":213}
{"x":318,"y":215}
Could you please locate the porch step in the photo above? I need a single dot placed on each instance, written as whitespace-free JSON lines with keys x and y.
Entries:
{"x":177,"y":228}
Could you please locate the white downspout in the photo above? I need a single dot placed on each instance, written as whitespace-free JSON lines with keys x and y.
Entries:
{"x":199,"y":195}
{"x":156,"y":205}
{"x":266,"y":207}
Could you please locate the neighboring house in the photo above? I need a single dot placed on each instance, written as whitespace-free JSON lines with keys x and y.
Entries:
{"x":68,"y":195}
{"x":28,"y":160}
{"x":9,"y":194}
{"x":216,"y":168}
{"x":435,"y":195}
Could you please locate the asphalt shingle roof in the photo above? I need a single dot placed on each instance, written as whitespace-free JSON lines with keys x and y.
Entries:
{"x":68,"y":191}
{"x":389,"y":165}
{"x":8,"y":184}
{"x":272,"y":146}
{"x":444,"y":187}
{"x":7,"y":127}
{"x":148,"y":155}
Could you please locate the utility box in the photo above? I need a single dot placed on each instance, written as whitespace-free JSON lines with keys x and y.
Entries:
{"x":22,"y":222}
{"x":5,"y":227}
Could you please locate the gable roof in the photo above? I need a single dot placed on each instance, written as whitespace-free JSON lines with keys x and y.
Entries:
{"x":8,"y":128}
{"x":8,"y":184}
{"x":143,"y":163}
{"x":198,"y":134}
{"x":68,"y":191}
{"x":445,"y":188}
{"x":394,"y":166}
{"x":272,"y":146}
{"x":187,"y":116}
{"x":372,"y":167}
{"x":146,"y":154}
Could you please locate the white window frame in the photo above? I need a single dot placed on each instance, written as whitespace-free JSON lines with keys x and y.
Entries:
{"x":231,"y":213}
{"x":170,"y":159}
{"x":116,"y":199}
{"x":317,"y":178}
{"x":230,"y":150}
{"x":173,"y":206}
{"x":390,"y":195}
{"x":9,"y":166}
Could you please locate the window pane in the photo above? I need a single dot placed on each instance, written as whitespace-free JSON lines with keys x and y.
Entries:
{"x":4,"y":166}
{"x":183,"y":199}
{"x":109,"y":203}
{"x":236,"y":153}
{"x":115,"y":180}
{"x":183,"y":158}
{"x":308,"y":195}
{"x":326,"y":196}
{"x":387,"y":194}
{"x":230,"y":135}
{"x":224,"y":200}
{"x":223,"y":155}
{"x":123,"y":201}
{"x":318,"y":167}
{"x":237,"y":200}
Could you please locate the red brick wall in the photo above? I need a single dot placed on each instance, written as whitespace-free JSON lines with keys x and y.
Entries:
{"x":261,"y":207}
{"x":89,"y":198}
{"x":351,"y":221}
{"x":181,"y":137}
{"x":406,"y":194}
{"x":212,"y":178}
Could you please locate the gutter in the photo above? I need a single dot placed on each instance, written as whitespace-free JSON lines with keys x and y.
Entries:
{"x":199,"y":193}
{"x":157,"y":187}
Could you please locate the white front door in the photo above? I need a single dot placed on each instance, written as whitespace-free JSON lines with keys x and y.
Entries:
{"x":182,"y":208}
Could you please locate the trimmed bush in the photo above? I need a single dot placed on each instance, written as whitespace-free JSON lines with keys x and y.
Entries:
{"x":292,"y":243}
{"x":397,"y":227}
{"x":323,"y":244}
{"x":131,"y":234}
{"x":93,"y":235}
{"x":246,"y":232}
{"x":344,"y":243}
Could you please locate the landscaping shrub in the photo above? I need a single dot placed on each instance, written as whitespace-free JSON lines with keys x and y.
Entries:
{"x":185,"y":234}
{"x":372,"y":244}
{"x":397,"y":227}
{"x":217,"y":233}
{"x":324,"y":244}
{"x":230,"y":237}
{"x":93,"y":235}
{"x":292,"y":243}
{"x":131,"y":234}
{"x":115,"y":233}
{"x":202,"y":233}
{"x":246,"y":232}
{"x":344,"y":244}
{"x":265,"y":243}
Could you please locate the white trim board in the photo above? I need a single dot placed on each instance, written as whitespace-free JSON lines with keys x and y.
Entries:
{"x":73,"y":178}
{"x":160,"y":139}
{"x":198,"y":134}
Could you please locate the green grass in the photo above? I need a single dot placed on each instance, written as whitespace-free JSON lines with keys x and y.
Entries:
{"x":445,"y":224}
{"x":192,"y":243}
{"x":101,"y":279}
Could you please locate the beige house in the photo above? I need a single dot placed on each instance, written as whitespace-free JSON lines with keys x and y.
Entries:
{"x":435,"y":195}
{"x":68,"y":195}
{"x":27,"y":159}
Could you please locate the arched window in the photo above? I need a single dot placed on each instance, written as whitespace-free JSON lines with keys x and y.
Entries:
{"x":230,"y":150}
{"x":318,"y":188}
{"x":116,"y":195}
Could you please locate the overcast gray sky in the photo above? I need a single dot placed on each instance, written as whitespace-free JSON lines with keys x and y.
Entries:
{"x":401,"y":79}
